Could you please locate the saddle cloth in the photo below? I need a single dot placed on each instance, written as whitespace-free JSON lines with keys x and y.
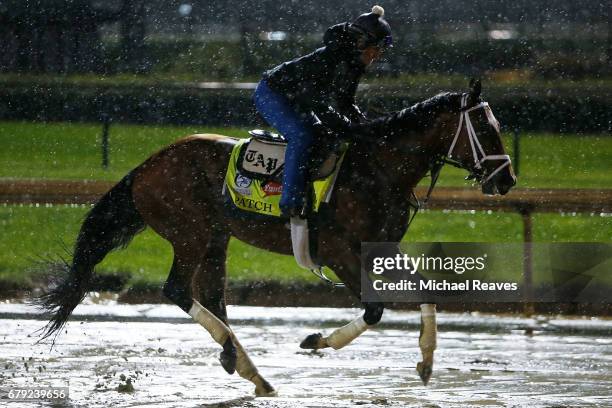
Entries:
{"x":254,"y":175}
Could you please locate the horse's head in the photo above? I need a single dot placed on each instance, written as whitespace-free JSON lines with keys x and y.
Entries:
{"x":477,"y":145}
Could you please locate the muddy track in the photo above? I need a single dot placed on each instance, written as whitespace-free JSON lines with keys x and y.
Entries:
{"x":481,"y":360}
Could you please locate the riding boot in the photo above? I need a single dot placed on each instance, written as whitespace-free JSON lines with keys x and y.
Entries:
{"x":293,"y":198}
{"x":293,"y":204}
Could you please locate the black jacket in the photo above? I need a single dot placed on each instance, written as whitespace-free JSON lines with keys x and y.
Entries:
{"x":327,"y":76}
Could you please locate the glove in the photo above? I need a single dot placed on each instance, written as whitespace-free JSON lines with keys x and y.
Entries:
{"x":335,"y":121}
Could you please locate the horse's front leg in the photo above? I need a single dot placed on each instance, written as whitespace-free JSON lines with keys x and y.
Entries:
{"x":346,"y":334}
{"x":427,"y":341}
{"x":346,"y":263}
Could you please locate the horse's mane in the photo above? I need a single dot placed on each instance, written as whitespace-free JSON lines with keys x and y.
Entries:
{"x":428,"y":109}
{"x":418,"y":117}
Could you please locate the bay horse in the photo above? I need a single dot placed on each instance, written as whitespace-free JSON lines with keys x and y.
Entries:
{"x":177,"y":193}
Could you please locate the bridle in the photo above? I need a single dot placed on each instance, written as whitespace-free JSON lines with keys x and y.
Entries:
{"x":478,"y":153}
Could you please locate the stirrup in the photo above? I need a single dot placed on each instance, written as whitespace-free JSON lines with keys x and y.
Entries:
{"x":319,"y":273}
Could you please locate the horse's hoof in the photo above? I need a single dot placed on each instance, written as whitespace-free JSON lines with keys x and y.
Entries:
{"x":266,"y":394}
{"x":425,"y":370}
{"x":228,"y":361}
{"x":313,"y":342}
{"x":264,"y":389}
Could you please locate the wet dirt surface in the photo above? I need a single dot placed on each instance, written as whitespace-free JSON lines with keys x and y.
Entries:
{"x":152,"y":355}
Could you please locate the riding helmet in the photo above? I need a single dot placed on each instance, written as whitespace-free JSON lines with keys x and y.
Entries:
{"x":372,"y":29}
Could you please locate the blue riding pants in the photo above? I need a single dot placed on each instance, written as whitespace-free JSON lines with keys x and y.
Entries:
{"x":278,"y":112}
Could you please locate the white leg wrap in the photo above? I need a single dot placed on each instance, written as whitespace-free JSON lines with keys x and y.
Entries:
{"x":217,"y":329}
{"x":345,"y":334}
{"x":244,"y":366}
{"x":427,"y":339}
{"x":220,"y":333}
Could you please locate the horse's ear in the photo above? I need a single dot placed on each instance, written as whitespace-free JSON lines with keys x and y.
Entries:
{"x":475,"y":88}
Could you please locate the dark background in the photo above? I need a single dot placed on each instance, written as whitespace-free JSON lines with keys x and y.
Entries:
{"x":546,"y":65}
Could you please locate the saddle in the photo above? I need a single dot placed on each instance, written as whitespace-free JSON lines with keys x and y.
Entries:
{"x":262,"y":157}
{"x":254,"y":173}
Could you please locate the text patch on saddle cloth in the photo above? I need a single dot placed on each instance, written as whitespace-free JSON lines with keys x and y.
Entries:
{"x":262,"y":158}
{"x":261,"y":195}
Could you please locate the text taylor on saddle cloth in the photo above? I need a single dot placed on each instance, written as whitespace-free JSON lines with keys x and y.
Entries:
{"x":318,"y":87}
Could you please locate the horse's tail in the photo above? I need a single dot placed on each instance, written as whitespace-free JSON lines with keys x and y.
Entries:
{"x":110,"y":224}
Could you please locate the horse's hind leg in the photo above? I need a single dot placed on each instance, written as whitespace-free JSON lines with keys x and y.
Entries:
{"x":209,"y":289}
{"x":209,"y":310}
{"x":177,"y":287}
{"x":182,"y":287}
{"x":222,"y":333}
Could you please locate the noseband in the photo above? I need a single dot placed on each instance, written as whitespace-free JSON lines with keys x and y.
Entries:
{"x":477,"y":150}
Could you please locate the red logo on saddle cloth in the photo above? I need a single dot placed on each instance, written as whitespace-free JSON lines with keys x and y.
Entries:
{"x":272,"y":188}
